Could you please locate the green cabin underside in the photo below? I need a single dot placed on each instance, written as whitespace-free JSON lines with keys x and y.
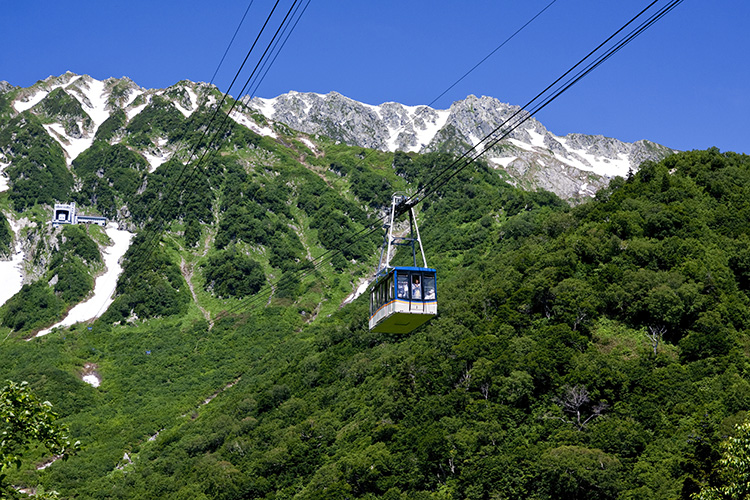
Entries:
{"x":402,"y":322}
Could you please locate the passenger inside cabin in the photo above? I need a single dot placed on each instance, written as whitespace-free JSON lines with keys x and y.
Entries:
{"x":403,"y":286}
{"x":416,"y":290}
{"x":429,"y":287}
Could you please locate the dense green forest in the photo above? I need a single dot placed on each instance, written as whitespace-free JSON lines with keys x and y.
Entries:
{"x":595,"y":351}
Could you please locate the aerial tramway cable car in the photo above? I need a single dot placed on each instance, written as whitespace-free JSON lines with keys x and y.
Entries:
{"x":402,"y":297}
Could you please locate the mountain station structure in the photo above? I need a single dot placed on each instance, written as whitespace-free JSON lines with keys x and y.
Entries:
{"x":66,"y":214}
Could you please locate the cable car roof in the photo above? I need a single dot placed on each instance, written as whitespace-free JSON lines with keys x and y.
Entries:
{"x":390,"y":269}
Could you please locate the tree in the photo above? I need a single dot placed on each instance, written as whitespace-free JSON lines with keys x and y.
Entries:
{"x":231,"y":273}
{"x":575,"y":403}
{"x":655,"y":334}
{"x":734,"y":468}
{"x":575,"y":302}
{"x":578,"y":473}
{"x":24,"y":420}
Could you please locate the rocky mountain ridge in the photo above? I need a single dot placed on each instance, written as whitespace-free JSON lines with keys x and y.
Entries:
{"x":574,"y":166}
{"x":532,"y":157}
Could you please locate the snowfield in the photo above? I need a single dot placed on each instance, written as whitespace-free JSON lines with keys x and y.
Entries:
{"x":104,"y":286}
{"x":11,"y":273}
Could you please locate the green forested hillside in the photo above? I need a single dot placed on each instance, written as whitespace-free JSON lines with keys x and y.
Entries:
{"x":38,"y":171}
{"x":69,"y":278}
{"x":599,"y":351}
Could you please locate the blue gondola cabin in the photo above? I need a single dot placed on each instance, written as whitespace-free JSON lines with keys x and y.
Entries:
{"x":402,"y":299}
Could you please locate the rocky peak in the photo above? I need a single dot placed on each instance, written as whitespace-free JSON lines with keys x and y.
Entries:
{"x":5,"y":87}
{"x":571,"y":166}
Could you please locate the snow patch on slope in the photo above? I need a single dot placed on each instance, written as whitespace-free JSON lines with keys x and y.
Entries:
{"x":131,"y":110}
{"x":4,"y":186}
{"x":583,"y":160}
{"x":72,"y":146}
{"x":307,"y":142}
{"x":95,"y":103}
{"x":155,"y":160}
{"x":252,"y":125}
{"x":32,"y":101}
{"x":11,"y":271}
{"x":132,"y":96}
{"x":157,"y":156}
{"x":537,"y":139}
{"x":104,"y":286}
{"x":193,"y":101}
{"x":265,"y":106}
{"x":425,"y":136}
{"x":521,"y":144}
{"x":92,"y":380}
{"x":359,"y":289}
{"x":504,"y":162}
{"x":91,"y":94}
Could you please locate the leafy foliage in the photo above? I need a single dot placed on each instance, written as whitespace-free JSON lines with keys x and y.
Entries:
{"x":733,"y":467}
{"x":114,"y":124}
{"x":108,"y":173}
{"x":6,"y":236}
{"x":76,"y":241}
{"x":151,"y":284}
{"x":26,"y":421}
{"x":160,"y":202}
{"x":34,"y":306}
{"x":38,"y":173}
{"x":536,"y":299}
{"x":596,"y":351}
{"x":159,"y":117}
{"x":233,"y":274}
{"x":71,"y":265}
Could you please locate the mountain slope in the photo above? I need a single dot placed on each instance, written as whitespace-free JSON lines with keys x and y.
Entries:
{"x":120,"y":151}
{"x":231,"y":368}
{"x":546,"y":311}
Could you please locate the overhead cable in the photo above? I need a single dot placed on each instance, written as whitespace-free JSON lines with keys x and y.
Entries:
{"x":506,"y":128}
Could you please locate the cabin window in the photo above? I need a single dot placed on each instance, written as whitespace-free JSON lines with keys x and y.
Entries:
{"x":403,"y":286}
{"x":428,"y":285}
{"x":390,"y":288}
{"x":416,"y":286}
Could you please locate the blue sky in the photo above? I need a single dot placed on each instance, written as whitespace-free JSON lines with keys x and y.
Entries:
{"x":684,"y":83}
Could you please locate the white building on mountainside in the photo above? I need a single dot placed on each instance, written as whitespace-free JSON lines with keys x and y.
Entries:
{"x":66,"y":214}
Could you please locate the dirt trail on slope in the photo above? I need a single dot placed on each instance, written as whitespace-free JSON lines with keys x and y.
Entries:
{"x":187,"y":269}
{"x":187,"y":273}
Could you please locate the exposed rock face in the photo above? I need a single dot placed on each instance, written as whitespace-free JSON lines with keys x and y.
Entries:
{"x":573,"y":166}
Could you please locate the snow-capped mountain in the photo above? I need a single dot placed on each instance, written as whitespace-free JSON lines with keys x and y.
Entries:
{"x":75,"y":108}
{"x":572,"y":166}
{"x":44,"y":128}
